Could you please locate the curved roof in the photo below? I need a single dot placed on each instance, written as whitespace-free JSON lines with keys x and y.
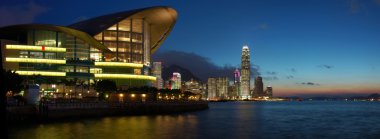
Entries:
{"x":161,"y":20}
{"x":7,"y":31}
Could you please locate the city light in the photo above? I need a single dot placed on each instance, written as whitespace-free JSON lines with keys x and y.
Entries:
{"x":119,"y":64}
{"x":35,"y":60}
{"x":42,"y":73}
{"x":35,"y":48}
{"x":132,"y":95}
{"x":121,"y":95}
{"x":125,"y":76}
{"x":143,"y":95}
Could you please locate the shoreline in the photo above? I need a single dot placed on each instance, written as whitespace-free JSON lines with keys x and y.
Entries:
{"x":70,"y":111}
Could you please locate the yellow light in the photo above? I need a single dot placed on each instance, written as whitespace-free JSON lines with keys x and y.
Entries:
{"x":80,"y":94}
{"x":143,"y":95}
{"x":106,"y":95}
{"x":35,"y":60}
{"x":67,"y":94}
{"x":118,"y":64}
{"x":125,"y":76}
{"x":35,"y":48}
{"x":121,"y":95}
{"x":132,"y":95}
{"x":42,"y":73}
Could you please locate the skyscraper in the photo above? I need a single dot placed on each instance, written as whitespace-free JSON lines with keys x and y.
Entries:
{"x":157,"y":72}
{"x":236,"y":76}
{"x":211,"y":89}
{"x":177,"y":80}
{"x":259,"y":87}
{"x":245,"y":73}
{"x":269,"y":91}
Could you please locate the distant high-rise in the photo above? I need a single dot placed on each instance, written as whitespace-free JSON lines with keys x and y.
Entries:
{"x":177,"y":80}
{"x":157,"y":72}
{"x":236,"y":76}
{"x":259,"y":87}
{"x":211,"y":88}
{"x":217,"y":88}
{"x":269,"y":91}
{"x":245,"y":73}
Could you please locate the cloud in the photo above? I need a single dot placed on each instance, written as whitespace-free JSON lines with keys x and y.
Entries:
{"x":20,"y":14}
{"x":293,"y":70}
{"x":200,"y":66}
{"x":325,"y":66}
{"x":263,"y":26}
{"x":377,"y":2}
{"x":354,"y":6}
{"x":289,"y":77}
{"x":270,"y":78}
{"x":271,"y":72}
{"x":308,"y":83}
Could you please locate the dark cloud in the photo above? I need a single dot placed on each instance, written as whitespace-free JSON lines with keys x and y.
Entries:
{"x":270,"y":78}
{"x":293,"y":70}
{"x":326,"y":66}
{"x":308,"y":83}
{"x":264,"y":26}
{"x":20,"y":14}
{"x":354,"y":6}
{"x":271,"y":73}
{"x":377,"y":2}
{"x":200,"y":66}
{"x":289,"y":77}
{"x":79,"y":19}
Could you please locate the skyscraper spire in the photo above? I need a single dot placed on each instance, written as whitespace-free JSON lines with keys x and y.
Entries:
{"x":245,"y":73}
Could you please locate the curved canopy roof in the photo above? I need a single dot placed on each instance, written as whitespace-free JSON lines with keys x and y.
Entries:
{"x":161,"y":20}
{"x":10,"y":32}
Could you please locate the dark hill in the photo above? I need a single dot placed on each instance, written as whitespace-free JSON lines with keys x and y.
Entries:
{"x":186,"y":75}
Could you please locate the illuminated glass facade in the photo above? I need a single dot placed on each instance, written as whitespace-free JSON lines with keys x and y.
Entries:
{"x":116,"y":47}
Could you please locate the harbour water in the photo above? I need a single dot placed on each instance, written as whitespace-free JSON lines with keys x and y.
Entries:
{"x":293,"y":119}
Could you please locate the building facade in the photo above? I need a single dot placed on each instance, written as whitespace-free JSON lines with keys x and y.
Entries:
{"x":218,"y":88}
{"x":177,"y":82}
{"x":157,"y":72}
{"x":115,"y":47}
{"x":259,"y":87}
{"x":245,"y":73}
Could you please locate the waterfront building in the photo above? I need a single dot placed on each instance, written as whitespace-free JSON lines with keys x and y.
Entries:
{"x":195,"y":87}
{"x":116,"y":47}
{"x":176,"y":78}
{"x":259,"y":87}
{"x":245,"y":73}
{"x":157,"y":72}
{"x":269,"y":92}
{"x":211,"y":89}
{"x":222,"y":87}
{"x":218,"y":88}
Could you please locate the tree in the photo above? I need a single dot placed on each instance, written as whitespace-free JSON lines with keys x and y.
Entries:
{"x":105,"y":86}
{"x":12,"y":81}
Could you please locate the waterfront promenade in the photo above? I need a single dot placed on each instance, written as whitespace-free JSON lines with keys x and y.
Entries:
{"x":81,"y":109}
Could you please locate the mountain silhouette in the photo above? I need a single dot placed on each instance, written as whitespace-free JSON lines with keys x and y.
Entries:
{"x":186,"y":75}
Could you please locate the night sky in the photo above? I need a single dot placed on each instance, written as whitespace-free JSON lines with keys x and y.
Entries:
{"x":298,"y":46}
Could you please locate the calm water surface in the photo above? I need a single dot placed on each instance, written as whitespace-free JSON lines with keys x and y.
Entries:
{"x":308,"y":119}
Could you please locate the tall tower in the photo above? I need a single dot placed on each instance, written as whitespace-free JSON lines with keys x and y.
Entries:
{"x":245,"y":73}
{"x":177,"y":80}
{"x":259,"y":87}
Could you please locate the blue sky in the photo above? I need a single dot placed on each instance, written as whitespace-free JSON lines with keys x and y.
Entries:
{"x":335,"y":45}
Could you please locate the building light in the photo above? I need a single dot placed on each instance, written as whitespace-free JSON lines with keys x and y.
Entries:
{"x":125,"y":76}
{"x":119,"y":64}
{"x":42,"y":73}
{"x":121,"y":95}
{"x":35,"y":60}
{"x":143,"y":95}
{"x":35,"y":48}
{"x":132,"y":95}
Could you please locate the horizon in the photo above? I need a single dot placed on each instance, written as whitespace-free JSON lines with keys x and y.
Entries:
{"x":298,"y":47}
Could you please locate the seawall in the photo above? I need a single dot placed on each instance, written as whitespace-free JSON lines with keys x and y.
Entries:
{"x":54,"y":111}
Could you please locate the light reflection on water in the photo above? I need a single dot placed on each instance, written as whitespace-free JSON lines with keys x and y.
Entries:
{"x":227,"y":120}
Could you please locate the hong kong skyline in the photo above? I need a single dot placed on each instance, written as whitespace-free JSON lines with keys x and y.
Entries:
{"x":298,"y":47}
